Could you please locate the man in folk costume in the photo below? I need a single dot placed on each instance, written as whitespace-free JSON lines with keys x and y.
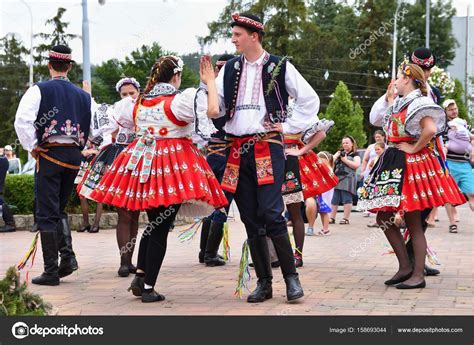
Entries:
{"x":255,"y":88}
{"x":53,"y":122}
{"x":425,"y":59}
{"x":213,"y":226}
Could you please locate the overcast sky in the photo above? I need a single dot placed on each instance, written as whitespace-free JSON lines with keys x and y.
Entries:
{"x":118,"y":27}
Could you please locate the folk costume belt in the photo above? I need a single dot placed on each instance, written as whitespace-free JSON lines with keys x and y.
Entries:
{"x":216,"y":149}
{"x":54,"y":160}
{"x":263,"y":160}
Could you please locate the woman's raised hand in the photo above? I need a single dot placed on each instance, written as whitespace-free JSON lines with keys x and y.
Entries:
{"x":206,"y":71}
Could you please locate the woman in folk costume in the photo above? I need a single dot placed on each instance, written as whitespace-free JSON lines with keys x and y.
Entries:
{"x":162,"y":172}
{"x":408,"y":178}
{"x":305,"y":176}
{"x":116,"y":137}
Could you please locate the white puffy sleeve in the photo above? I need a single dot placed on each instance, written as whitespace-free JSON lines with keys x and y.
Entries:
{"x":378,"y":111}
{"x":25,"y":117}
{"x":306,"y":107}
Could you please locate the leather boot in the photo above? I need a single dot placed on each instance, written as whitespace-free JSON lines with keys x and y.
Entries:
{"x":213,"y":241}
{"x":261,"y":260}
{"x":49,"y":245}
{"x":68,"y":258}
{"x":206,"y":225}
{"x":287,"y":263}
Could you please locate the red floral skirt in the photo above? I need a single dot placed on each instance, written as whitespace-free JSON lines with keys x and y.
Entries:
{"x":171,"y":172}
{"x":316,"y":176}
{"x":408,"y":182}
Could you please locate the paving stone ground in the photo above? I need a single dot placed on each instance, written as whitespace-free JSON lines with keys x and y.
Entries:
{"x":335,"y":281}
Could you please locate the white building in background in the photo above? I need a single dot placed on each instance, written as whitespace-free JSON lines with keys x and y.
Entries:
{"x":463,"y":62}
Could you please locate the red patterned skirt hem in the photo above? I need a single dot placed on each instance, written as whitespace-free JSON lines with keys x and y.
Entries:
{"x":316,"y":176}
{"x":179,"y":174}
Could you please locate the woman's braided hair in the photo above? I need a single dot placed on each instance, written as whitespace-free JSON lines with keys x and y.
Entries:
{"x":162,"y":71}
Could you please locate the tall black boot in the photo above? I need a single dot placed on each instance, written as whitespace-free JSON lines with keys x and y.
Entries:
{"x":68,"y":258}
{"x":206,"y":224}
{"x":261,"y":259}
{"x":213,"y":241}
{"x":287,"y":263}
{"x":49,"y":244}
{"x":7,"y":216}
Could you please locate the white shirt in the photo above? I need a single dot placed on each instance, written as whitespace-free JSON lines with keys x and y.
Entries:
{"x":25,"y":118}
{"x":182,"y":106}
{"x":250,"y":121}
{"x":380,"y":107}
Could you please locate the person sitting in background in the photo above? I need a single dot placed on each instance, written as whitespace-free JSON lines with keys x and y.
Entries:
{"x":13,"y":162}
{"x":4,"y":210}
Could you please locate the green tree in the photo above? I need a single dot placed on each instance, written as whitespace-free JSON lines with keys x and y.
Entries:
{"x":138,"y":66}
{"x":13,"y":83}
{"x":348,"y":118}
{"x":412,"y":30}
{"x":57,"y":36}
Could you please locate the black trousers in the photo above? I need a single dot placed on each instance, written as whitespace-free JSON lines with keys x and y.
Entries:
{"x":261,"y":206}
{"x":7,"y":215}
{"x":217,"y":164}
{"x":154,"y":241}
{"x":54,"y":185}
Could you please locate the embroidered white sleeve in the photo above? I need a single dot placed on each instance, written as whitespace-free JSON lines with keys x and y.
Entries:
{"x":305,"y":111}
{"x":379,"y":109}
{"x":182,"y":105}
{"x":220,"y":91}
{"x":203,"y":125}
{"x":123,"y":112}
{"x":422,"y":107}
{"x":25,"y":117}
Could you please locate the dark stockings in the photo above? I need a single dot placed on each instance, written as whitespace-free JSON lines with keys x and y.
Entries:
{"x":127,"y":228}
{"x":298,"y":225}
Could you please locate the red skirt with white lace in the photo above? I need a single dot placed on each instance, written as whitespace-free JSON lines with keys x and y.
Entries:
{"x":316,"y":176}
{"x":408,"y":182}
{"x":162,"y":172}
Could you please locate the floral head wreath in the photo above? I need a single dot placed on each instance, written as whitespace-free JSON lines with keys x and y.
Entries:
{"x":179,"y":64}
{"x":125,"y":81}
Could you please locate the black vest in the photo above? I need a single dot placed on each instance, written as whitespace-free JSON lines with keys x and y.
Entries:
{"x":65,"y":110}
{"x":276,"y":112}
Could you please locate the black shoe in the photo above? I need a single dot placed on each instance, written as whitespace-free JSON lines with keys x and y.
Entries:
{"x":284,"y":253}
{"x":123,"y":271}
{"x":206,"y":225}
{"x":399,"y":280}
{"x":137,"y":286}
{"x":94,"y":229}
{"x":262,"y":292}
{"x":67,"y":266}
{"x":132,"y":269}
{"x":211,"y":258}
{"x":275,"y":264}
{"x":406,"y":287}
{"x":84,"y":228}
{"x":261,"y":259}
{"x":46,"y":279}
{"x":8,"y":228}
{"x":429,"y":272}
{"x":153,"y":296}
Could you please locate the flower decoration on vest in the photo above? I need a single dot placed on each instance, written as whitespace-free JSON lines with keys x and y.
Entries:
{"x":163,"y":131}
{"x":274,"y":71}
{"x":237,"y":65}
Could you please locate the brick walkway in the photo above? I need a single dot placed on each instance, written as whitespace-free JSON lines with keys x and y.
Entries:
{"x":335,"y":282}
